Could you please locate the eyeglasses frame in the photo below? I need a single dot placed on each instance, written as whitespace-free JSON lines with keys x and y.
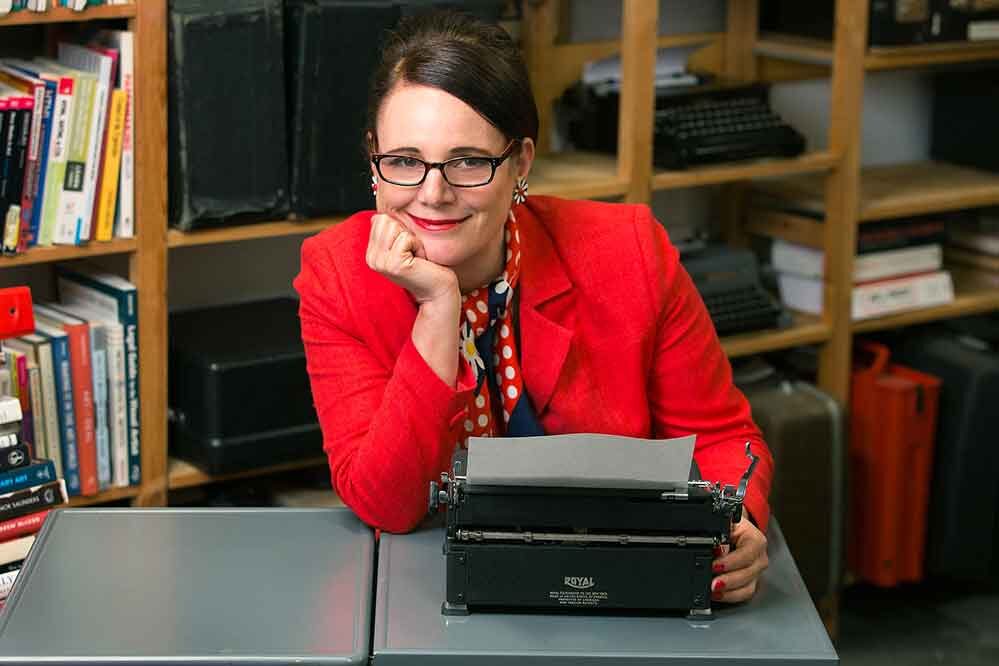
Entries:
{"x":495,"y":162}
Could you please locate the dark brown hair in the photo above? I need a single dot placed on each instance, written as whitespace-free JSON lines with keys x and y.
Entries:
{"x":475,"y":61}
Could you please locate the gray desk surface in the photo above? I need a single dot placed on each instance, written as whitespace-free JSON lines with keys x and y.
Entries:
{"x":779,"y":626}
{"x":211,"y":586}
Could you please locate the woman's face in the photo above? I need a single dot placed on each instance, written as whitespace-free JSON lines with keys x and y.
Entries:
{"x":460,"y":227}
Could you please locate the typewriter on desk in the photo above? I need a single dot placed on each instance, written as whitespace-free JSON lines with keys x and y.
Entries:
{"x":728,"y":280}
{"x":562,"y":525}
{"x":694,"y":125}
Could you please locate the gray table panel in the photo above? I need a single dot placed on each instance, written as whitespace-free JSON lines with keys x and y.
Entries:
{"x":779,"y":626}
{"x":205,"y":585}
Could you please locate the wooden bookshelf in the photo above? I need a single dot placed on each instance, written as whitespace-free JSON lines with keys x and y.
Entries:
{"x":975,"y":292}
{"x":576,"y":175}
{"x":819,"y":161}
{"x":805,"y":330}
{"x":818,"y":52}
{"x":66,"y":15}
{"x":898,"y":190}
{"x":183,"y":474}
{"x":177,"y":238}
{"x":53,"y":253}
{"x":112,"y":495}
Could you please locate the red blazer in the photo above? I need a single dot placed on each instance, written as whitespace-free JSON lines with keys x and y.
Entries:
{"x":615,"y":339}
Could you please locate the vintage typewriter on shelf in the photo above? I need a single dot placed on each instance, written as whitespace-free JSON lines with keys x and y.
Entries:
{"x":728,"y":280}
{"x":694,"y":125}
{"x":582,"y":523}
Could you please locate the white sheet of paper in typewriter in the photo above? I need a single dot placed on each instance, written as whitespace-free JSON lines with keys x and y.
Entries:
{"x":580,"y":461}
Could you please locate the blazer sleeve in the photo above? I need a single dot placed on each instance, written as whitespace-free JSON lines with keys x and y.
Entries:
{"x":690,"y":384}
{"x":387,"y":430}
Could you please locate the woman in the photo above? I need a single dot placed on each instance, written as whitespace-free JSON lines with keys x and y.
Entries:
{"x":464,"y":307}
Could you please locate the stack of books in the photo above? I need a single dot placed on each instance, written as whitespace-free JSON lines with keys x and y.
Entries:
{"x":29,"y":488}
{"x":975,"y":243}
{"x":898,"y":264}
{"x":78,"y":378}
{"x":67,"y":158}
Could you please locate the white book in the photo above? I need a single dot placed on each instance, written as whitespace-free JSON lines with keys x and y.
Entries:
{"x":100,"y":65}
{"x":10,"y":410}
{"x":16,"y":549}
{"x":31,"y":352}
{"x":50,"y":402}
{"x":872,"y":299}
{"x":810,"y":262}
{"x":7,"y":579}
{"x":124,"y":226}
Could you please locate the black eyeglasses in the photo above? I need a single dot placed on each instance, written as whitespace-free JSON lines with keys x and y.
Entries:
{"x":470,"y":171}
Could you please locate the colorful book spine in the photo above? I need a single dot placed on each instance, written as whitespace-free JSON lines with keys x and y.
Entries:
{"x":37,"y":473}
{"x":112,"y":166}
{"x":31,"y":500}
{"x":23,"y":525}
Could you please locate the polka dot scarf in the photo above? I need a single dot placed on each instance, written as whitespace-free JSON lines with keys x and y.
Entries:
{"x":487,"y":316}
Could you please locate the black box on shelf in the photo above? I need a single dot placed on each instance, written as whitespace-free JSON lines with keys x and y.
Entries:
{"x":965,"y":109}
{"x":239,"y":395}
{"x":226,"y":120}
{"x":891,"y":22}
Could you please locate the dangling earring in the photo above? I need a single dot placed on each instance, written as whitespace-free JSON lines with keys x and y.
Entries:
{"x":520,"y":191}
{"x":374,"y":186}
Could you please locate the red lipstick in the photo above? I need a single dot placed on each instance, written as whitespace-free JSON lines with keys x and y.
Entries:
{"x":436,"y":225}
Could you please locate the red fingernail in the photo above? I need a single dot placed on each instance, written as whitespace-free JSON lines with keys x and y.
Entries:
{"x":717,"y":567}
{"x":718,"y":585}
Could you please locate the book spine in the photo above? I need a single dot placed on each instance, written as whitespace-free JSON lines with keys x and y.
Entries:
{"x":72,"y":214}
{"x":67,"y":419}
{"x":24,"y":395}
{"x":50,"y":406}
{"x":112,"y":166}
{"x":22,"y":526}
{"x":125,"y":221}
{"x":58,"y":152}
{"x":102,"y":435}
{"x":117,"y":406}
{"x":31,"y":500}
{"x":38,"y":191}
{"x":25,"y":477}
{"x":20,"y":176}
{"x":39,"y":436}
{"x":83,"y":405}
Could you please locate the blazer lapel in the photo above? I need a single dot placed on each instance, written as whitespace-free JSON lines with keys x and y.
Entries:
{"x":547,"y":311}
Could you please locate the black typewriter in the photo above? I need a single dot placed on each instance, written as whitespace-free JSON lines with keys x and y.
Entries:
{"x":603,"y":546}
{"x":720,"y":123}
{"x":694,"y":124}
{"x":728,"y":280}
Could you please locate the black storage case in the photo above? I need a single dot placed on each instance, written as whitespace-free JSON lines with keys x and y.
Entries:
{"x":965,"y":109}
{"x":239,"y":394}
{"x":226,"y":120}
{"x":963,"y":531}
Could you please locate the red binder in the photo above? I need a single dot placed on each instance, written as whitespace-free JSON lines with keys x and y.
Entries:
{"x":893,"y":425}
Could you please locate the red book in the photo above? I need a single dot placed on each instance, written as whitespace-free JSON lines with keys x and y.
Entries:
{"x":22,"y":525}
{"x":81,"y":371}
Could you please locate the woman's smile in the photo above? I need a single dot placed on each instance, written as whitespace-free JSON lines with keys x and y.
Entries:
{"x":436,"y":224}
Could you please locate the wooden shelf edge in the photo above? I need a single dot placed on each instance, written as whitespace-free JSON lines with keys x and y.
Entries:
{"x":820,"y":52}
{"x":726,"y":173}
{"x":596,"y":189}
{"x":53,"y":253}
{"x":66,"y":15}
{"x":177,"y":238}
{"x":111,"y":495}
{"x":182,"y":474}
{"x":775,"y":339}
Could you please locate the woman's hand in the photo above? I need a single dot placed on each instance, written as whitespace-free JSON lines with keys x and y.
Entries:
{"x":741,"y":564}
{"x":399,"y":255}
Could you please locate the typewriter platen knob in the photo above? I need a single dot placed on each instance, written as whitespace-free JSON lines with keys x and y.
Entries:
{"x":434,"y":497}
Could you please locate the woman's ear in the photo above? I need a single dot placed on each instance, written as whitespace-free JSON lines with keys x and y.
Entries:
{"x":525,"y":158}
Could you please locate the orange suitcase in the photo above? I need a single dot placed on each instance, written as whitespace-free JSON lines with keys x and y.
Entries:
{"x":893,"y":423}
